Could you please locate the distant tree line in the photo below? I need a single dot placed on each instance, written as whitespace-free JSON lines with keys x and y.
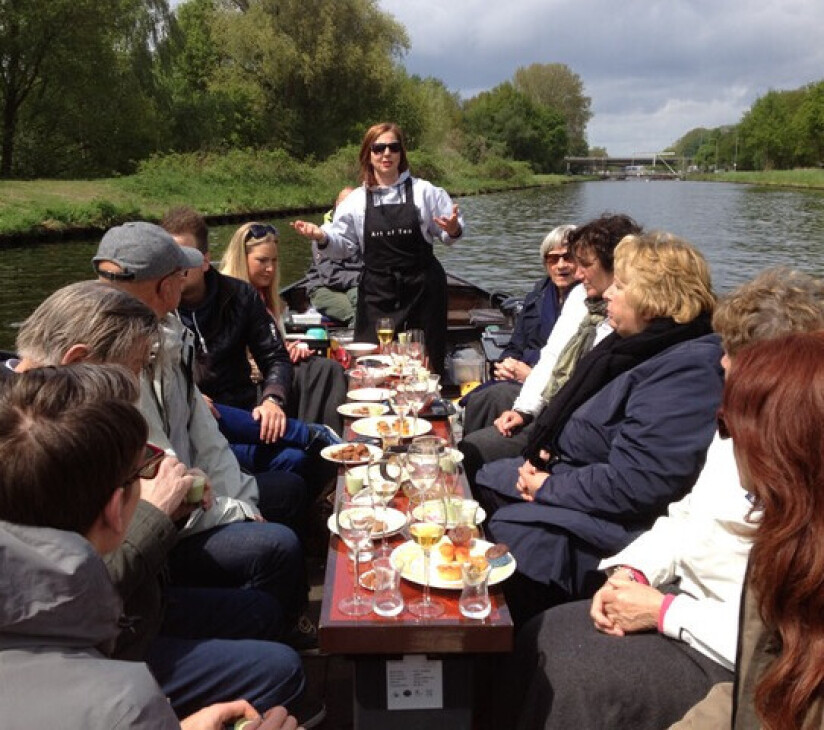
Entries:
{"x":782,"y":130}
{"x":93,"y":87}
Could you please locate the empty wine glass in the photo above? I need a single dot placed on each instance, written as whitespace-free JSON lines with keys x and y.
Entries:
{"x":417,"y":391}
{"x":427,"y":521}
{"x":355,"y":518}
{"x":385,"y":329}
{"x":415,"y":349}
{"x":384,"y":477}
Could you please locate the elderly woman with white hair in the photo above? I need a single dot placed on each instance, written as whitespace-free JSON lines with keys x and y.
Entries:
{"x":540,"y":311}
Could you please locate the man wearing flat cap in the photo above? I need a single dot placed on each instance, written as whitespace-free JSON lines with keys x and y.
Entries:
{"x":225,"y":545}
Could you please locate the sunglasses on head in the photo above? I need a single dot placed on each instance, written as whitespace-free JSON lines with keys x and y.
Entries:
{"x":260,"y":230}
{"x":150,"y":463}
{"x":554,"y":257}
{"x":378,"y":148}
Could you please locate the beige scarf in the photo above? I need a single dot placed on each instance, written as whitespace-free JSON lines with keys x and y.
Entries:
{"x":579,"y":344}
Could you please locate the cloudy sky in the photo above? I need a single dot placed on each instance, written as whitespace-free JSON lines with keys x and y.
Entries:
{"x":654,"y":69}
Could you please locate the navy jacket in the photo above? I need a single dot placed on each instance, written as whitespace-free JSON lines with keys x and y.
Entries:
{"x":231,"y":319}
{"x":531,"y":329}
{"x":630,"y":450}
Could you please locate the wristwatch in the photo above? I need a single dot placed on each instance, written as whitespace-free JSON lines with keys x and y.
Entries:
{"x":615,"y":568}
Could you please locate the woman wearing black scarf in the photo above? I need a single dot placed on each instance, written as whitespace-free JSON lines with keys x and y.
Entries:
{"x":625,"y":436}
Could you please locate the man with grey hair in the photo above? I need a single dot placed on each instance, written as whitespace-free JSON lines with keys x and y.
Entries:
{"x":188,"y":634}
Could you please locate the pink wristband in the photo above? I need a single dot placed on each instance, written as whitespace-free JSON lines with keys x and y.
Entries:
{"x":668,"y":599}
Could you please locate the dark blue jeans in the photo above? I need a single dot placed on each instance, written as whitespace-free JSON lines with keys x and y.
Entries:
{"x":217,"y":645}
{"x":243,"y":434}
{"x":259,"y":556}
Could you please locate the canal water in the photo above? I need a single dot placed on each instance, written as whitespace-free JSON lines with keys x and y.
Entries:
{"x":741,"y":229}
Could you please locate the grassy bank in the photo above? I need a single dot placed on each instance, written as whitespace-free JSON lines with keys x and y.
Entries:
{"x":801,"y":178}
{"x":226,"y":185}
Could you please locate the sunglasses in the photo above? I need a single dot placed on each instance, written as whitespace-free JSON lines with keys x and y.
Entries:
{"x":378,"y":148}
{"x":260,"y":230}
{"x":150,"y":465}
{"x":554,"y":258}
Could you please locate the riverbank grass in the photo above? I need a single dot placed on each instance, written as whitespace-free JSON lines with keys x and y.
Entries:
{"x":234,"y":183}
{"x":801,"y":178}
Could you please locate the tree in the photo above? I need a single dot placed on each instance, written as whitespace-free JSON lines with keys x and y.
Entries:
{"x":528,"y":131}
{"x":314,"y":71}
{"x":75,"y":84}
{"x":555,"y":85}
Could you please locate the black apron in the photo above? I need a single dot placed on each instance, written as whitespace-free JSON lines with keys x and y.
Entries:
{"x":402,"y":278}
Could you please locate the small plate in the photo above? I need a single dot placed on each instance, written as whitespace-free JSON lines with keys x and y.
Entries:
{"x":454,"y":509}
{"x":380,"y":426}
{"x":369,"y":394}
{"x":395,"y":520}
{"x":330,"y":453}
{"x":363,"y":410}
{"x":357,"y":349}
{"x":408,"y":558}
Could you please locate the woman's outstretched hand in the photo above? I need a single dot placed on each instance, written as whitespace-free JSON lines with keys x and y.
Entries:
{"x":450,"y":224}
{"x":309,"y":230}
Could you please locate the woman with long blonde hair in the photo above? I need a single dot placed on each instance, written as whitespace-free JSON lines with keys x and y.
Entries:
{"x":318,"y":383}
{"x":252,"y":255}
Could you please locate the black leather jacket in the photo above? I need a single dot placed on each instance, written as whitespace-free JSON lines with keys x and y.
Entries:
{"x":231,"y":319}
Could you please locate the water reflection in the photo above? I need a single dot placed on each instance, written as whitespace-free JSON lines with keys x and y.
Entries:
{"x":740,"y":229}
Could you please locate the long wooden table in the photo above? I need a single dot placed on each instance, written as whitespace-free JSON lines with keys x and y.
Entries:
{"x":409,"y":672}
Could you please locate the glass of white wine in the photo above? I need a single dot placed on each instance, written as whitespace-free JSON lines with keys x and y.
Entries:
{"x":385,"y":329}
{"x":355,"y":519}
{"x":427,"y":521}
{"x":384,"y":477}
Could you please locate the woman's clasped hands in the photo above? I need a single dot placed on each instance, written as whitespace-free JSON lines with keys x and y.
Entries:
{"x":530,"y":480}
{"x":625,"y":606}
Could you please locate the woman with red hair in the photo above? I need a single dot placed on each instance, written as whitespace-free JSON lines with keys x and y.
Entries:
{"x":773,"y":409}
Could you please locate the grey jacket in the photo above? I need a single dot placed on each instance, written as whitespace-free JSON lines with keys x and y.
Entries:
{"x":181,"y":424}
{"x":57,"y":608}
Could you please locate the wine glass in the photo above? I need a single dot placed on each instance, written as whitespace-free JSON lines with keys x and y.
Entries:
{"x":384,"y":477}
{"x":417,"y":391}
{"x":355,"y":518}
{"x":427,"y":521}
{"x":415,"y":349}
{"x":400,"y":403}
{"x":385,"y":329}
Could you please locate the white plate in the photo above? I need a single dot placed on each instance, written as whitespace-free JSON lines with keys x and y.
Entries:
{"x":456,"y":455}
{"x":367,"y":410}
{"x":480,"y":514}
{"x":395,"y":520}
{"x":369,"y":394}
{"x":371,"y":426}
{"x":357,"y":349}
{"x":329,"y":452}
{"x":408,"y":558}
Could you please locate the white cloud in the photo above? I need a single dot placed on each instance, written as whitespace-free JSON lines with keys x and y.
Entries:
{"x":654,"y":68}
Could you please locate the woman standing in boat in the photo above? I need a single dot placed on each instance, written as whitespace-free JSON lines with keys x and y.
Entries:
{"x":394,"y":219}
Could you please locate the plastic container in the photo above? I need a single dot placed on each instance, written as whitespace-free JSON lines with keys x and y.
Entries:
{"x":467,"y":366}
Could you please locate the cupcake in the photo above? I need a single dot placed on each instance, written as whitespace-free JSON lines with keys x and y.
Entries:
{"x":498,"y":555}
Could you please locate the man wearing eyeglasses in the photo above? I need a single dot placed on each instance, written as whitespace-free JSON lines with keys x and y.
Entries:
{"x":57,"y":519}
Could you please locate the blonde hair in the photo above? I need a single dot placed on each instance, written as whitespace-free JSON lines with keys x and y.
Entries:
{"x":234,"y":263}
{"x":776,"y":302}
{"x":664,"y":276}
